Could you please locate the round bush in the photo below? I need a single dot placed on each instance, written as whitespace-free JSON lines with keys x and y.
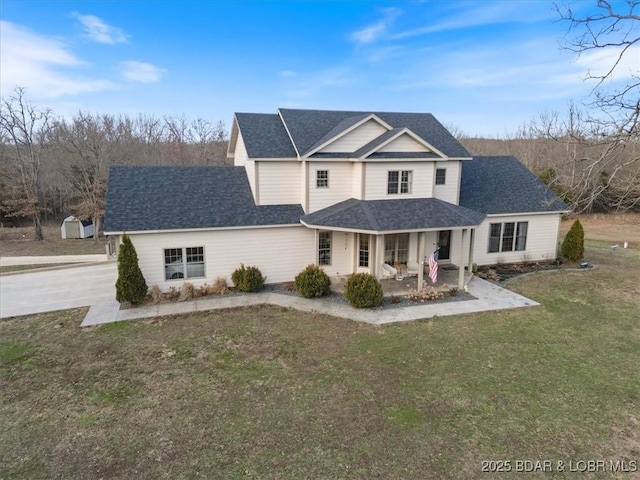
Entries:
{"x":248,"y":279}
{"x":313,"y":282}
{"x":363,"y":290}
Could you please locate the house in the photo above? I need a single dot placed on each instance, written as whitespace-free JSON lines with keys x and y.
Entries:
{"x":349,"y":191}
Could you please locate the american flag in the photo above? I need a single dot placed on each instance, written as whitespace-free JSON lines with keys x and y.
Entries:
{"x":433,"y":268}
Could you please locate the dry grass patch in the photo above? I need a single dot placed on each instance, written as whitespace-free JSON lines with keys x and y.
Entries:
{"x":609,"y":227}
{"x":19,"y":241}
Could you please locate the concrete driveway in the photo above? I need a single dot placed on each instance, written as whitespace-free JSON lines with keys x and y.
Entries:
{"x":72,"y":287}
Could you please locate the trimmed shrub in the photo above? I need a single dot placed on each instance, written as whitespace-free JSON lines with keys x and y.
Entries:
{"x":131,"y":285}
{"x":363,"y":290}
{"x":313,"y":282}
{"x":573,"y":243}
{"x":248,"y":279}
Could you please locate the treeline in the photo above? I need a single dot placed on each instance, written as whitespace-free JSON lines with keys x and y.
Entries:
{"x":51,"y":167}
{"x":593,"y":165}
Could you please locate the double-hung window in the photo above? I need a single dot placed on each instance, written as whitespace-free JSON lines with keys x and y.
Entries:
{"x":322,"y":178}
{"x":324,"y":248}
{"x":441,"y":176}
{"x":399,"y":181}
{"x":364,"y":249}
{"x":183,"y":263}
{"x":508,"y":237}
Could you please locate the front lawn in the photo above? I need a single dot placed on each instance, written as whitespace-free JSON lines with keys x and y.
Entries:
{"x":273,"y":393}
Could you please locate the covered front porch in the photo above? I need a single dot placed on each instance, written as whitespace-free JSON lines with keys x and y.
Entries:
{"x":448,"y":277}
{"x":393,"y":240}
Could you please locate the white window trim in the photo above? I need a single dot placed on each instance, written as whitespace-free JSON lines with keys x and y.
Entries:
{"x":322,"y":186}
{"x":400,"y":182}
{"x":184,"y":264}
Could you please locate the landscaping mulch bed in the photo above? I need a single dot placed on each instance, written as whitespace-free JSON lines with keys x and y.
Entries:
{"x":504,"y":273}
{"x":333,"y":297}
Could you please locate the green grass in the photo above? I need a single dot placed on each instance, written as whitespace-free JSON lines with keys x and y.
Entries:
{"x":266,"y":392}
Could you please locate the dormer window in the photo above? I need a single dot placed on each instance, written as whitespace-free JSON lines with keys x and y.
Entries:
{"x":441,"y":176}
{"x":399,"y":181}
{"x":322,"y":178}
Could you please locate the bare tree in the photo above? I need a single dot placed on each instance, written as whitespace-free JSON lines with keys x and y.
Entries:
{"x":610,"y":166}
{"x":25,"y":130}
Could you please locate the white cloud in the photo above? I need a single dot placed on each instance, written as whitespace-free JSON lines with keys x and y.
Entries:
{"x":141,"y":72}
{"x":101,"y":32}
{"x":484,"y":14}
{"x":42,"y":65}
{"x":287,"y":73}
{"x":375,"y":31}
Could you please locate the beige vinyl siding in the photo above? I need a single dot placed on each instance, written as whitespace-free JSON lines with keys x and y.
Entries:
{"x":355,"y":139}
{"x":240,"y":156}
{"x":376,"y":180}
{"x":280,"y":253}
{"x":542,"y":240}
{"x":342,"y":245}
{"x":450,"y":191}
{"x":404,"y":143}
{"x":340,"y":184}
{"x":250,"y":167}
{"x":356,"y":180}
{"x":279,"y":182}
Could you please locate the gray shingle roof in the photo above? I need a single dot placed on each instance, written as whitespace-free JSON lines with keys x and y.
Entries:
{"x":264,"y":136}
{"x":496,"y":185}
{"x":391,"y":215}
{"x":163,"y":198}
{"x":307,"y":127}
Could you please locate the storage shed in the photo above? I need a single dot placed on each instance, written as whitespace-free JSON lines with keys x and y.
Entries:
{"x":74,"y":228}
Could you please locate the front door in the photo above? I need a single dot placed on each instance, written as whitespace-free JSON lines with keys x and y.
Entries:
{"x":444,"y":242}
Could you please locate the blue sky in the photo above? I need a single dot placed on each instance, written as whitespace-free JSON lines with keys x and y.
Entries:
{"x":485,"y":67}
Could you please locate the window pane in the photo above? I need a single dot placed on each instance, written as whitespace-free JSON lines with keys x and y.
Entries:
{"x":195,"y":262}
{"x":173,"y":264}
{"x":507,"y":237}
{"x":494,"y":237}
{"x":390,"y":249}
{"x":324,"y":248}
{"x":521,"y":236}
{"x":403,"y":248}
{"x":322,"y":178}
{"x":364,"y":250}
{"x":441,"y":176}
{"x":392,"y":184}
{"x":405,"y":184}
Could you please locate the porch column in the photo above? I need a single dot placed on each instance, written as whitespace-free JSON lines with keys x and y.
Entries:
{"x":472,"y":241}
{"x":379,"y":256}
{"x":421,"y":246}
{"x":463,"y":254}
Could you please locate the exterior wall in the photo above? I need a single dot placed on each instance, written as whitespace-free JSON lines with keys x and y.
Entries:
{"x":404,"y":143}
{"x":280,"y":253}
{"x":450,"y":191}
{"x":376,"y":180}
{"x":240,"y":156}
{"x":279,"y":182}
{"x":342,"y":251}
{"x":542,"y":239}
{"x":356,"y":180}
{"x":250,"y":167}
{"x":340,"y":184}
{"x":355,"y":139}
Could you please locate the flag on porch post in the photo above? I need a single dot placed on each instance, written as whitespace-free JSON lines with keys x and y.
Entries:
{"x":433,"y":267}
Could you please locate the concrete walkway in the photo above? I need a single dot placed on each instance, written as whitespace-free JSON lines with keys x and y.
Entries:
{"x":51,"y":259}
{"x":488,"y":297}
